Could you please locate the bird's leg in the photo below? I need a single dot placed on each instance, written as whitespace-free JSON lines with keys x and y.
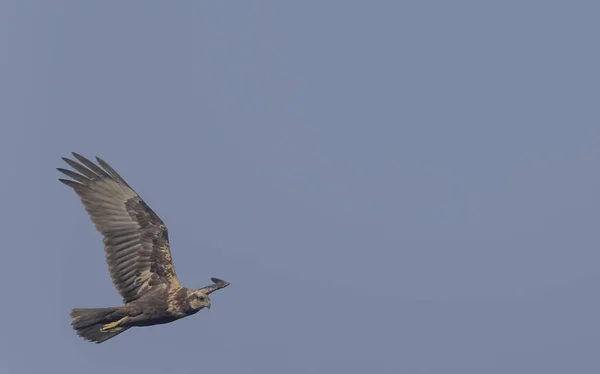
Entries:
{"x":113,"y":326}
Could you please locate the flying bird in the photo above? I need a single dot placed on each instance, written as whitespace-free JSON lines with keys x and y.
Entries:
{"x":138,"y":255}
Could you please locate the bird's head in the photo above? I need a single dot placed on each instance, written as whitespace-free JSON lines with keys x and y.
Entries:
{"x":198,"y":300}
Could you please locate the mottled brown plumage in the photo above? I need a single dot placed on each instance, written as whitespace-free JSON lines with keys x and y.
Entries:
{"x":138,"y":255}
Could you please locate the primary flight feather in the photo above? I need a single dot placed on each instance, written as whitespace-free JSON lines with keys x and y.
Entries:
{"x":138,"y":255}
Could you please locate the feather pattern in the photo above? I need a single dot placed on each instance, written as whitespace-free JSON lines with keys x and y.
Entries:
{"x":136,"y":241}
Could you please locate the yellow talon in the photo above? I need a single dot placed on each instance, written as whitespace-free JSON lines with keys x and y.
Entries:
{"x":112,"y":327}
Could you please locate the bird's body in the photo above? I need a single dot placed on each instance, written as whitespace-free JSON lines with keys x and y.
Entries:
{"x":138,"y":255}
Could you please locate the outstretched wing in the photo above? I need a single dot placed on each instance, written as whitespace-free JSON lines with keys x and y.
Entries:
{"x":136,"y":241}
{"x":217,"y":285}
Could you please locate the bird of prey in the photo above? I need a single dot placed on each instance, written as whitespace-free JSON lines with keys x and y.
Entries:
{"x":137,"y":252}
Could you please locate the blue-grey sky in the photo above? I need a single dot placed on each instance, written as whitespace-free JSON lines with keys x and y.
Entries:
{"x":390,"y":187}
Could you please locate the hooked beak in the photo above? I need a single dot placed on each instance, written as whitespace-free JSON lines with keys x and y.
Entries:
{"x":207,"y":304}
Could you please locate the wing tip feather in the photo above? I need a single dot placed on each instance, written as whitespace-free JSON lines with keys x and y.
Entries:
{"x":71,"y":183}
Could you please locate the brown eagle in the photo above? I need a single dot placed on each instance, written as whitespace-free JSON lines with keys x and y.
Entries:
{"x":136,"y":245}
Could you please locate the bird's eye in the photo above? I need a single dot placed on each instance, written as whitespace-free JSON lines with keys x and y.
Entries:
{"x":201,"y":298}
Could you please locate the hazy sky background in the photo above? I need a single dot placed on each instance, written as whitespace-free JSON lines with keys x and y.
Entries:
{"x":390,"y":187}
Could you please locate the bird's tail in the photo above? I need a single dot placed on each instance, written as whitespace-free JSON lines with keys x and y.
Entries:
{"x":88,"y":323}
